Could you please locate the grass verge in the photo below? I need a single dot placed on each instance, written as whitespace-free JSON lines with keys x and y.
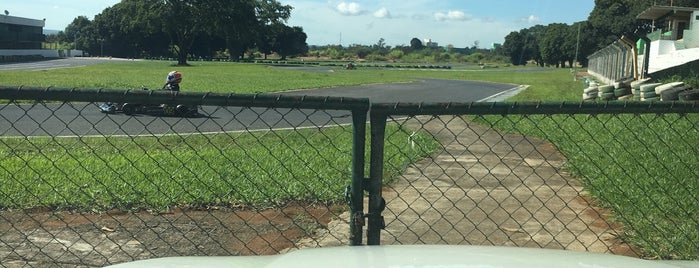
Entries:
{"x":255,"y":169}
{"x":241,"y":78}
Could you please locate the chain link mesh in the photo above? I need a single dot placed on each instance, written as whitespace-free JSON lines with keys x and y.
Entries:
{"x":256,"y":175}
{"x":85,"y":188}
{"x":619,"y":183}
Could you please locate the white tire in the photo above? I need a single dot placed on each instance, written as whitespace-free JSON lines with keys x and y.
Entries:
{"x":659,"y":89}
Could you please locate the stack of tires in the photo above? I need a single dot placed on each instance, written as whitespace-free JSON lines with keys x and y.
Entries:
{"x":642,"y":90}
{"x":636,"y":88}
{"x":648,"y":92}
{"x":670,"y":91}
{"x":622,"y":91}
{"x":688,"y":95}
{"x":590,"y":93}
{"x":606,"y":93}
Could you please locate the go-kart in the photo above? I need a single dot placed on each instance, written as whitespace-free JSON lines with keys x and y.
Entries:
{"x":153,"y":109}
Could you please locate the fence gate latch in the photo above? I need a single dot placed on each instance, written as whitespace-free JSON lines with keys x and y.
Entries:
{"x":382,"y":207}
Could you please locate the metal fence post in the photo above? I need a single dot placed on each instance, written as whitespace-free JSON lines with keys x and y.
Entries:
{"x":356,"y":200}
{"x":376,"y":201}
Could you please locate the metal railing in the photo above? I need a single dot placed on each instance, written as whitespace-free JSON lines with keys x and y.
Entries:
{"x":615,"y":62}
{"x":264,"y":174}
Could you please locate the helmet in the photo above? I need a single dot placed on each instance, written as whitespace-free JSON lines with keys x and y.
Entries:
{"x":173,"y":77}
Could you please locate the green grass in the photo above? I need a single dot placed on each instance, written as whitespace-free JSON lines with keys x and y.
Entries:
{"x":255,"y":78}
{"x":200,"y":77}
{"x":256,"y":169}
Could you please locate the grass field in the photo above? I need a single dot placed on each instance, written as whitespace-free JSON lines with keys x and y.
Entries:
{"x":254,"y":78}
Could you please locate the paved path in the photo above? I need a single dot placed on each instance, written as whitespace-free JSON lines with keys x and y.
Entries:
{"x":487,"y":188}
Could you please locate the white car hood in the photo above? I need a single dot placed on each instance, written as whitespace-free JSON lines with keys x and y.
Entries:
{"x":414,"y":256}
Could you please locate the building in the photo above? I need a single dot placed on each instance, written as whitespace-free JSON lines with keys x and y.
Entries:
{"x":20,"y":33}
{"x":676,"y":41}
{"x":673,"y":42}
{"x":428,"y":43}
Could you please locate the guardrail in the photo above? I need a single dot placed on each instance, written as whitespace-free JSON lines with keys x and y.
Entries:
{"x":614,"y":63}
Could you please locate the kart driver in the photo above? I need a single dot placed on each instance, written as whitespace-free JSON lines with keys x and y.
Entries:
{"x":172,"y":81}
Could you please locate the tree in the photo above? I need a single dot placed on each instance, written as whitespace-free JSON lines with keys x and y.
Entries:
{"x":585,"y":43}
{"x":612,"y":19}
{"x":235,"y":21}
{"x":381,"y":43}
{"x":183,"y":20}
{"x":77,"y":31}
{"x":514,"y":47}
{"x":290,"y":41}
{"x":129,"y":29}
{"x":416,"y":44}
{"x":523,"y":46}
{"x":552,"y":43}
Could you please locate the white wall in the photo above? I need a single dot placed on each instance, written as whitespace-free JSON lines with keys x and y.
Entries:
{"x":675,"y":58}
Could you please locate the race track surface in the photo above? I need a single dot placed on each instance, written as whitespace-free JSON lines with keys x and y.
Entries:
{"x":85,"y":119}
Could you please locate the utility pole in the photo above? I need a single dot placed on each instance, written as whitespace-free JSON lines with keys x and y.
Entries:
{"x":577,"y":49}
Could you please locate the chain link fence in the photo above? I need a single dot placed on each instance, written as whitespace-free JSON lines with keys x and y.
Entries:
{"x":263,"y":174}
{"x":239,"y":175}
{"x":612,"y":177}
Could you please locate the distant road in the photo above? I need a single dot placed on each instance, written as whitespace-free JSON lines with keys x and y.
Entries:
{"x":423,"y":90}
{"x":56,"y":64}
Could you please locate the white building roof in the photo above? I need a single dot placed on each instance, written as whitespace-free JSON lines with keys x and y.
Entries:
{"x":21,"y":21}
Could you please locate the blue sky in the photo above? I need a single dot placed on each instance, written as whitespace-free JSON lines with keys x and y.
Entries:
{"x":457,"y":22}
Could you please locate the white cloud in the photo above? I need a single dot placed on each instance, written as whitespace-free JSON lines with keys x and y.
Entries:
{"x":531,"y":19}
{"x":349,"y":9}
{"x":382,"y":13}
{"x":451,"y":15}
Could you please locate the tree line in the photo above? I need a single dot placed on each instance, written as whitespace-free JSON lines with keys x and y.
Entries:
{"x":232,"y":28}
{"x":184,"y":28}
{"x":558,"y":44}
{"x":415,"y":52}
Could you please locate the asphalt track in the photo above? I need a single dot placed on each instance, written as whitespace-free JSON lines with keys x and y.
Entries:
{"x":84,"y":119}
{"x":55,"y":64}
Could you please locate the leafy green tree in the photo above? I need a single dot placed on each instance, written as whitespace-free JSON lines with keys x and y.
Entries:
{"x":514,"y":47}
{"x":234,"y":20}
{"x":552,"y":43}
{"x":416,"y":44}
{"x":523,"y":46}
{"x":583,"y":33}
{"x":290,"y":41}
{"x":130,"y":28}
{"x":183,"y":21}
{"x":612,"y":19}
{"x":78,"y":31}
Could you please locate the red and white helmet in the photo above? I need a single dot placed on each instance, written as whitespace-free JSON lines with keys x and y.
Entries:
{"x":173,"y":77}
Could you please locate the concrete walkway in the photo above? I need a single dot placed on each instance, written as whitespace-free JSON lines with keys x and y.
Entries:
{"x":486,"y":188}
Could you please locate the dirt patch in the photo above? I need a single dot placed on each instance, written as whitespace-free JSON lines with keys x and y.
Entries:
{"x":599,"y":218}
{"x":45,"y":238}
